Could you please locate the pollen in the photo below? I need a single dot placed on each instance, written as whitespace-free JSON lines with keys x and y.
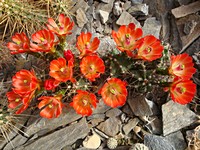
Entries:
{"x":50,"y":105}
{"x":17,"y":100}
{"x":85,"y":102}
{"x":181,"y":90}
{"x":62,"y":69}
{"x":18,"y":42}
{"x":113,"y":91}
{"x":25,"y":81}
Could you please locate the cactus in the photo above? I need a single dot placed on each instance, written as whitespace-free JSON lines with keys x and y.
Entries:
{"x":112,"y":143}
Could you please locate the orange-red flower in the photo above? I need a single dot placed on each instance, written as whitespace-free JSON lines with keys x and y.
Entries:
{"x":85,"y":45}
{"x":182,"y":66}
{"x":25,"y":82}
{"x":182,"y":91}
{"x":61,"y":71}
{"x":126,"y":38}
{"x":149,"y":48}
{"x":83,"y":101}
{"x":114,"y":92}
{"x":64,"y":26}
{"x":52,"y":106}
{"x":51,"y":84}
{"x":91,"y":67}
{"x":20,"y":44}
{"x":43,"y":41}
{"x":16,"y":100}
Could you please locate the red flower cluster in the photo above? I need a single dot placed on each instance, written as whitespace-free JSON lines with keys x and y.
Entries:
{"x":182,"y":89}
{"x":128,"y":39}
{"x":25,"y":84}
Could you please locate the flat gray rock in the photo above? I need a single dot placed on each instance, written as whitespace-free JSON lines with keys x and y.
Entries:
{"x":101,"y":108}
{"x":177,"y":140}
{"x":130,"y":125}
{"x":81,"y":17}
{"x":110,"y":127}
{"x":103,"y":16}
{"x":154,"y":142}
{"x":106,"y":6}
{"x":151,"y":26}
{"x":61,"y":138}
{"x":139,"y":9}
{"x":47,"y":125}
{"x":137,"y":1}
{"x":79,"y":4}
{"x":139,"y":105}
{"x":126,"y":18}
{"x":176,"y":117}
{"x":113,"y":112}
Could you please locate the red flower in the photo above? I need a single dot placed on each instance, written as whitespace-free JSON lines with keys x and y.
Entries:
{"x":52,"y":106}
{"x":126,"y":38}
{"x":114,"y":92}
{"x":149,"y":48}
{"x":43,"y":41}
{"x":68,"y":55}
{"x":25,"y":82}
{"x":182,"y":66}
{"x":21,"y":44}
{"x":64,"y":26}
{"x":16,"y":100}
{"x":91,"y":67}
{"x":60,"y":71}
{"x":85,"y":45}
{"x":51,"y":84}
{"x":83,"y":101}
{"x":182,"y":91}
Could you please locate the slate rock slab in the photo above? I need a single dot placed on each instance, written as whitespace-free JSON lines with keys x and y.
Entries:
{"x":59,"y":139}
{"x":154,"y":142}
{"x":151,"y":26}
{"x":177,"y":140}
{"x":65,"y":118}
{"x":176,"y":116}
{"x":139,"y":105}
{"x":130,"y":125}
{"x":110,"y":127}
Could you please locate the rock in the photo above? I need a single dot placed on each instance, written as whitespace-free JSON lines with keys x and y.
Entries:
{"x":81,"y":17}
{"x":126,"y":18}
{"x":177,"y":140}
{"x":110,"y":127}
{"x":103,"y":16}
{"x":154,"y":25}
{"x":47,"y":125}
{"x":136,"y":1}
{"x":96,"y":121}
{"x":96,"y":116}
{"x":16,"y":142}
{"x":155,"y":125}
{"x":79,"y":4}
{"x":113,"y":112}
{"x":130,"y":125}
{"x":101,"y":108}
{"x":139,"y":9}
{"x":184,"y":2}
{"x":127,"y":5}
{"x":117,"y":8}
{"x":189,"y":27}
{"x":107,"y":30}
{"x":176,"y":116}
{"x":92,"y":142}
{"x":139,"y":105}
{"x":154,"y":142}
{"x":67,"y":148}
{"x":98,"y":26}
{"x":61,"y":138}
{"x":105,"y":1}
{"x":106,"y":7}
{"x":106,"y":45}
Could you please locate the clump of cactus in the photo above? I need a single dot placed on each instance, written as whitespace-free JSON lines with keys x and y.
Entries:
{"x":28,"y":16}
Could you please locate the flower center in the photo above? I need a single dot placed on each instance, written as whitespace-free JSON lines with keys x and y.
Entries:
{"x":87,"y":45}
{"x":180,"y":67}
{"x":18,"y":42}
{"x":17,"y":100}
{"x":50,"y":105}
{"x":25,"y":81}
{"x":113,"y":91}
{"x":91,"y":67}
{"x":85,"y":102}
{"x":62,"y":69}
{"x":127,"y":39}
{"x":180,"y":90}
